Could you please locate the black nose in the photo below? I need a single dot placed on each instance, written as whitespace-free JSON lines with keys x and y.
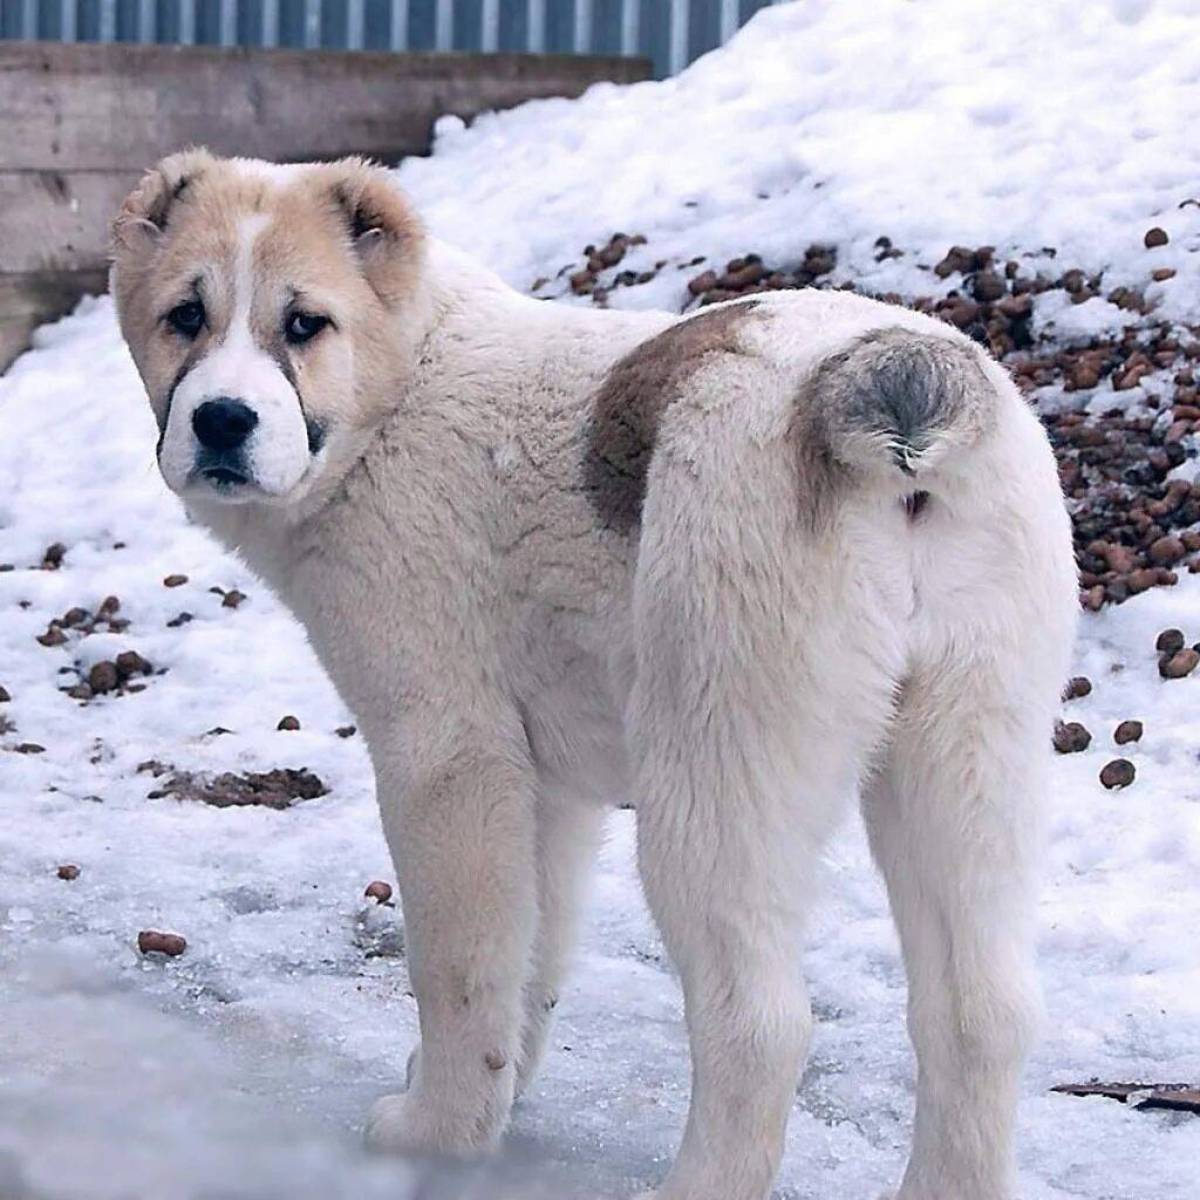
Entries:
{"x":223,"y":424}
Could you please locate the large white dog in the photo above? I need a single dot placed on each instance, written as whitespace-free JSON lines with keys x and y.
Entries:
{"x":738,"y":568}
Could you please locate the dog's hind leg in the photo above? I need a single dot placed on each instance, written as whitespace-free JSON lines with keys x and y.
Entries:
{"x":954,"y":817}
{"x":727,"y":887}
{"x":748,"y":724}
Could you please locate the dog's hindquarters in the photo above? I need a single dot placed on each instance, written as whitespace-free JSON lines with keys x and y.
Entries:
{"x":954,"y":812}
{"x":750,"y":719}
{"x":782,"y":602}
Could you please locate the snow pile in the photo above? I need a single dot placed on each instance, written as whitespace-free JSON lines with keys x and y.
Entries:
{"x":944,"y":121}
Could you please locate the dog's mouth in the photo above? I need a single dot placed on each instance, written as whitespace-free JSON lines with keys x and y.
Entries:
{"x":225,"y":478}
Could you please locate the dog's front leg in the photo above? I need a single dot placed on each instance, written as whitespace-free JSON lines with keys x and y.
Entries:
{"x":462,"y":833}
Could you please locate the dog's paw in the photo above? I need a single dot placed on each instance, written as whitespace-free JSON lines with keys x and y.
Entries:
{"x":391,"y":1128}
{"x":410,"y":1124}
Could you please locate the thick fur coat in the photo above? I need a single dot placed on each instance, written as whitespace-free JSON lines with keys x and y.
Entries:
{"x":744,"y":569}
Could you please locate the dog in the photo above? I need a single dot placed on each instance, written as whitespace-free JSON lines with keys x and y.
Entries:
{"x":739,"y":568}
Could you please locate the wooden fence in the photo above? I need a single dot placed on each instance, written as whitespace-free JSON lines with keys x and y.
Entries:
{"x":80,"y":122}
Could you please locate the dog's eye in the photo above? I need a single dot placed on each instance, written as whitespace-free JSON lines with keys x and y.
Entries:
{"x":301,"y":327}
{"x":187,"y":318}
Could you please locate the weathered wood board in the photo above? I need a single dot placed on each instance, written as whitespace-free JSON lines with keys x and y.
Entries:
{"x":80,"y":122}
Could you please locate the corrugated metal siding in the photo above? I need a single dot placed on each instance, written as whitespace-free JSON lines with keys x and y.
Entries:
{"x":671,"y":33}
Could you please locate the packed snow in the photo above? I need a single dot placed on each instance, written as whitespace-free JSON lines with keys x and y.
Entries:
{"x":243,"y":1069}
{"x":1053,"y":126}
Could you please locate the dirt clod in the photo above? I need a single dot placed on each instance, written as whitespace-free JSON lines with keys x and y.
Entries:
{"x":288,"y":724}
{"x":1071,"y":738}
{"x":103,"y":677}
{"x":1128,"y":731}
{"x":1077,"y":688}
{"x":278,"y":789}
{"x":1118,"y":774}
{"x":1176,"y":666}
{"x":1169,"y":641}
{"x":130,"y":663}
{"x":68,"y":871}
{"x":152,"y":941}
{"x":380,"y":891}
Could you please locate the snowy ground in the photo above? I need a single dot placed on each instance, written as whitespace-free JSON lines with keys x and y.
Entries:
{"x":243,"y":1069}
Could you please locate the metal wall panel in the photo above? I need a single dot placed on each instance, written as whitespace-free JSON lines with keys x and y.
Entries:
{"x":672,"y":33}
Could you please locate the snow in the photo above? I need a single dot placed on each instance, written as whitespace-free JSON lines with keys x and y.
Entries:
{"x":1058,"y":125}
{"x":244,"y":1068}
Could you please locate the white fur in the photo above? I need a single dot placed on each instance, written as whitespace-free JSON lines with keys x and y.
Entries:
{"x":277,"y":449}
{"x":742,"y":670}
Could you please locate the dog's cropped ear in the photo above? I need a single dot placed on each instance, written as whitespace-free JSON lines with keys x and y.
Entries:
{"x":146,"y":210}
{"x":386,"y":235}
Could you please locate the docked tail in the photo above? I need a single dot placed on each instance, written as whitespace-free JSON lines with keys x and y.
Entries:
{"x":897,"y":400}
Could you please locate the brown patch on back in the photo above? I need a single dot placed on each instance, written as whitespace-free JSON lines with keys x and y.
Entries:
{"x":632,"y":399}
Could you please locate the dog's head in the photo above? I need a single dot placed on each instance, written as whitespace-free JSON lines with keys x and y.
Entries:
{"x":273,"y":313}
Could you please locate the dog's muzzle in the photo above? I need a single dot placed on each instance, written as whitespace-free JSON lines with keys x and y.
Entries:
{"x":222,"y":427}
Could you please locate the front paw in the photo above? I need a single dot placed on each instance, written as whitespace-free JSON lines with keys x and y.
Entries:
{"x":391,"y":1128}
{"x":411,"y":1125}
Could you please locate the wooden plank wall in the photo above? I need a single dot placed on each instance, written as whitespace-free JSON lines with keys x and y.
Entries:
{"x":80,"y":122}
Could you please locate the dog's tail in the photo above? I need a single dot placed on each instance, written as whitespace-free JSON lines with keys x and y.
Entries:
{"x":897,"y":401}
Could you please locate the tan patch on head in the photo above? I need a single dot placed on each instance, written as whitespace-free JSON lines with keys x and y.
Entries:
{"x":333,"y":239}
{"x":632,"y":399}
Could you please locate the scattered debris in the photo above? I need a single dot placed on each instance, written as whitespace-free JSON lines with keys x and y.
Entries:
{"x":1176,"y":666}
{"x":152,"y":941}
{"x":1119,"y":773}
{"x":112,"y":676}
{"x":1128,"y":731}
{"x":1071,"y":738}
{"x":84,"y":623}
{"x":1183,"y":1097}
{"x":1170,"y":641}
{"x":278,"y":789}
